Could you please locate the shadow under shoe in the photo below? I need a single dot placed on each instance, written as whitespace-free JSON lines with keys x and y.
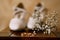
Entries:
{"x":16,"y":33}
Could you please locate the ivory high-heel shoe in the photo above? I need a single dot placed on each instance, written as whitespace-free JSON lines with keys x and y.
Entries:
{"x":17,"y":23}
{"x":36,"y":18}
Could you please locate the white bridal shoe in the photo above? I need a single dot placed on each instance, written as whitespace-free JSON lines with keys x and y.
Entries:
{"x":38,"y":11}
{"x":17,"y":23}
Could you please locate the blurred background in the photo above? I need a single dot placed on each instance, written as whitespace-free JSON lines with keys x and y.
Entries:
{"x":6,"y":10}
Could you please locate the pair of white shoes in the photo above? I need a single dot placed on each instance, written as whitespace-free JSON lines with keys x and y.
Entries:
{"x":17,"y":23}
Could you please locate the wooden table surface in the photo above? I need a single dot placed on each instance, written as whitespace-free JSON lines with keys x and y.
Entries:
{"x":26,"y":34}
